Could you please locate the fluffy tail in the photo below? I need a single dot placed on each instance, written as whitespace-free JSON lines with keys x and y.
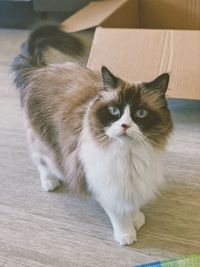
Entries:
{"x":33,"y":51}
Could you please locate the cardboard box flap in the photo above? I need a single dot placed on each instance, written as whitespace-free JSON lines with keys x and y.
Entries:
{"x":92,"y":15}
{"x":170,"y":14}
{"x":155,"y":14}
{"x":135,"y":54}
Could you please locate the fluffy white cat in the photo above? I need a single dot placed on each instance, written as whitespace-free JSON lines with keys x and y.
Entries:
{"x":93,"y":130}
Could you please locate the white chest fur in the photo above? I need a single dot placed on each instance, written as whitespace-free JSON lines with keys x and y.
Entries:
{"x":124,"y":176}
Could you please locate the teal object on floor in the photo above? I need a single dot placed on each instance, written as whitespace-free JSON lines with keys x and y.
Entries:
{"x":191,"y":261}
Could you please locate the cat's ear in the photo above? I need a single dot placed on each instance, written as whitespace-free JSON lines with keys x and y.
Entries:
{"x":160,"y":84}
{"x":109,"y":79}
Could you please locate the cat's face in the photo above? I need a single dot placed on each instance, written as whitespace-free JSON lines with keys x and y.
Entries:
{"x":131,"y":112}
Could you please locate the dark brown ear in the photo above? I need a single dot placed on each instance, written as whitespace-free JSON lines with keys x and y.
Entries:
{"x":109,"y":79}
{"x":159,"y":84}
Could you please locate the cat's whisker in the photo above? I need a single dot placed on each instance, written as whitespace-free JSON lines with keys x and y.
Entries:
{"x":103,"y":139}
{"x":146,"y":141}
{"x":152,"y":133}
{"x":153,"y":142}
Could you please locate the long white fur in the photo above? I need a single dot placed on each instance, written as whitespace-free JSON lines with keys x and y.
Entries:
{"x":123,"y":176}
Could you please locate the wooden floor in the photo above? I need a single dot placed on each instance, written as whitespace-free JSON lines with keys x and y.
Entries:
{"x":59,"y":229}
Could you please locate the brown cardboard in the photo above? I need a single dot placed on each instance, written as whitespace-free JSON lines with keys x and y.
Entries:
{"x":153,"y":14}
{"x":142,"y":54}
{"x":111,"y":13}
{"x":170,"y":14}
{"x":148,"y":53}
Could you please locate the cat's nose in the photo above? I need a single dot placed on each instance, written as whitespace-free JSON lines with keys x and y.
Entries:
{"x":125,"y":126}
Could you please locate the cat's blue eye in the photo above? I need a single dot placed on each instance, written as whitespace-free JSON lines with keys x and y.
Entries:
{"x":141,"y":113}
{"x":114,"y":111}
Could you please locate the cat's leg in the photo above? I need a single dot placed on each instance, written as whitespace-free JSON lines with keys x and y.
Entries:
{"x":138,"y":219}
{"x":49,"y":180}
{"x":124,"y":231}
{"x":49,"y":175}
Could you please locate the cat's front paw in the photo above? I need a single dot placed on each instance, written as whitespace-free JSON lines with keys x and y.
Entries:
{"x":126,"y":238}
{"x":49,"y":184}
{"x":138,"y":220}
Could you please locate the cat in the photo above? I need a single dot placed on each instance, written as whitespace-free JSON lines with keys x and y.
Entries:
{"x":93,"y":130}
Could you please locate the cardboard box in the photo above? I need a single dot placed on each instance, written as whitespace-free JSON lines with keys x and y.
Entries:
{"x":140,"y":39}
